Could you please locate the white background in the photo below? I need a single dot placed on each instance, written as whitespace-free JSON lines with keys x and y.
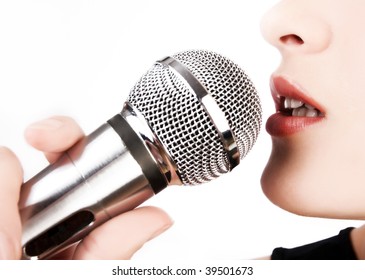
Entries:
{"x":81,"y":58}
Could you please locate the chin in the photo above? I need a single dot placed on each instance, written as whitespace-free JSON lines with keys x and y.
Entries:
{"x":292,"y":181}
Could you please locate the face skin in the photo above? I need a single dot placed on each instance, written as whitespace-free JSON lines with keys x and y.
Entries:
{"x":319,"y":170}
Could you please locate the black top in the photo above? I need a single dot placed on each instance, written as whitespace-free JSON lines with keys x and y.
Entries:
{"x":338,"y":247}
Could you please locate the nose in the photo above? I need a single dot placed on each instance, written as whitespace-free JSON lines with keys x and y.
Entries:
{"x":291,"y":26}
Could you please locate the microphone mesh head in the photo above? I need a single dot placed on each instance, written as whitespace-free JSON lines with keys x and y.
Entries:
{"x":179,"y":120}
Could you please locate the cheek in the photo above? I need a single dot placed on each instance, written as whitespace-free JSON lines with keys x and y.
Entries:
{"x":317,"y":173}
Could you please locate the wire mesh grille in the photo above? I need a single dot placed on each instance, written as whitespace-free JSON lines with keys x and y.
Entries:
{"x":180,"y":122}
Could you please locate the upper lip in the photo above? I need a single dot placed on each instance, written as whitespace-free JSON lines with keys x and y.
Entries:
{"x":282,"y":88}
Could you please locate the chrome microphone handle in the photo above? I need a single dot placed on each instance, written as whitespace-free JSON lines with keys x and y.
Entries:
{"x":114,"y":169}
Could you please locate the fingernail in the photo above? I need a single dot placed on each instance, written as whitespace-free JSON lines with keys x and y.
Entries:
{"x":6,"y":248}
{"x":47,"y":124}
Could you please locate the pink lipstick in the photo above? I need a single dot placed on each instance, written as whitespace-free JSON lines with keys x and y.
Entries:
{"x":295,"y":110}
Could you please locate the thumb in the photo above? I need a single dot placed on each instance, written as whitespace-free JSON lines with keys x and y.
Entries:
{"x":11,"y":176}
{"x":124,"y":235}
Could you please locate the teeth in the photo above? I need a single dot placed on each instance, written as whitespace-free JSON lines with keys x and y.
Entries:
{"x":299,"y":112}
{"x":305,"y":112}
{"x":290,"y":103}
{"x":309,"y":107}
{"x":300,"y":109}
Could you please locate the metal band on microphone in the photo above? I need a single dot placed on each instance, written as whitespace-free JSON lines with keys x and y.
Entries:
{"x":138,"y":150}
{"x":211,"y":107}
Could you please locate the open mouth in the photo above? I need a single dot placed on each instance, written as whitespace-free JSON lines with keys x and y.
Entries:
{"x":297,"y":108}
{"x":290,"y":100}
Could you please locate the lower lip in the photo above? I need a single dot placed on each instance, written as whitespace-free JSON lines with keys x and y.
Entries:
{"x":280,"y":125}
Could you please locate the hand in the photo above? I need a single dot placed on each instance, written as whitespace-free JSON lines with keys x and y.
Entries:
{"x":119,"y":238}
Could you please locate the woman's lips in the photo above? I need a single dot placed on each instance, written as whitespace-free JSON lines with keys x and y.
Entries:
{"x":295,"y":110}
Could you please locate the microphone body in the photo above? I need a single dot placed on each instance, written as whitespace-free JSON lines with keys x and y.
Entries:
{"x":111,"y":171}
{"x":191,"y":118}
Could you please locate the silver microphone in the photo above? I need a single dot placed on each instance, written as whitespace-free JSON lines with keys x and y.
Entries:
{"x":191,"y":118}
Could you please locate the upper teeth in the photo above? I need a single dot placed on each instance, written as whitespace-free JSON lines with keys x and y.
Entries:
{"x":292,"y":103}
{"x":301,"y":109}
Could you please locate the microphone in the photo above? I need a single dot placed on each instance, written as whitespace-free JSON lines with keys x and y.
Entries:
{"x":191,"y":118}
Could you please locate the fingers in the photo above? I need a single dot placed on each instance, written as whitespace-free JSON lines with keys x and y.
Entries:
{"x":54,"y":135}
{"x":124,"y":235}
{"x":118,"y":238}
{"x":11,"y":176}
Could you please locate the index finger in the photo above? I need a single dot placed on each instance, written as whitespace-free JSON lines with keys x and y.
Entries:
{"x":54,"y":135}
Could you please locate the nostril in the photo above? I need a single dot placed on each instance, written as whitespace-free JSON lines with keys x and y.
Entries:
{"x":291,"y":39}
